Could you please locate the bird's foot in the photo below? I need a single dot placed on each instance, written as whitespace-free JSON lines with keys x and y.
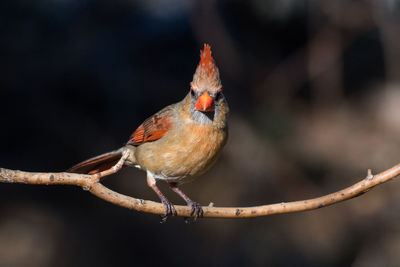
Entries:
{"x":197,"y":211}
{"x":169,"y":210}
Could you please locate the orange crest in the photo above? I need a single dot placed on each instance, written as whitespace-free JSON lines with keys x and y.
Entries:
{"x":206,"y":76}
{"x":206,"y":60}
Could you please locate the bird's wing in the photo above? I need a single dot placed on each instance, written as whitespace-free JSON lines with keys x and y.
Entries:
{"x":153,"y":128}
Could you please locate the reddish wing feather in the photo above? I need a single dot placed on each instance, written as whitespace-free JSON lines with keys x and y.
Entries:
{"x":153,"y":128}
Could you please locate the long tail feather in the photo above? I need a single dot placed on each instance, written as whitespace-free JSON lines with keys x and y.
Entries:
{"x":97,"y":164}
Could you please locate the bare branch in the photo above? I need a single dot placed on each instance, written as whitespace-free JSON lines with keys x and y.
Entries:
{"x":92,"y":183}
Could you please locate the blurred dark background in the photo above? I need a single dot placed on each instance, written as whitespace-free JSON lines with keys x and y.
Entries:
{"x":313,"y":88}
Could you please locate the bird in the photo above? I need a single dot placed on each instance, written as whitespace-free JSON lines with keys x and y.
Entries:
{"x":178,"y":143}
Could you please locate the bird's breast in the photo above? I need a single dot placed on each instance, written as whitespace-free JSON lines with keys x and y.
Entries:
{"x":185,"y":152}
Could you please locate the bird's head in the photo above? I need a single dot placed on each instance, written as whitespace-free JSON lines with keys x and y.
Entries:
{"x":206,"y":88}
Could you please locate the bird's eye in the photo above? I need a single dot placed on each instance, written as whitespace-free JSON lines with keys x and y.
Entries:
{"x":192,"y":92}
{"x":218,"y":95}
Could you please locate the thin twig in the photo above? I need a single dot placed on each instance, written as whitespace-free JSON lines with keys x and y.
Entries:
{"x":92,"y":183}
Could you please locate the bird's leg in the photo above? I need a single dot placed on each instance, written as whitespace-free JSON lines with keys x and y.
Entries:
{"x":169,"y":207}
{"x":197,"y":210}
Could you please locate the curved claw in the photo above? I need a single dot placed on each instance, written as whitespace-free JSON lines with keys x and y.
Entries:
{"x":197,"y":210}
{"x":169,"y":210}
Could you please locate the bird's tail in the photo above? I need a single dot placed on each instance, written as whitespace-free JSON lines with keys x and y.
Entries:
{"x":97,"y":164}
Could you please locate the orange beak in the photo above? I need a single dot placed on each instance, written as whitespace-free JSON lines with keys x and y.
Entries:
{"x":205,"y":103}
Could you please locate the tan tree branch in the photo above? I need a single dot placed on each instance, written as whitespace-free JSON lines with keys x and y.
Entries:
{"x":92,"y":183}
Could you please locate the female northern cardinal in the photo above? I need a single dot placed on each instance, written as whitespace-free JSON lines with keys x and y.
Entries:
{"x":179,"y":142}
